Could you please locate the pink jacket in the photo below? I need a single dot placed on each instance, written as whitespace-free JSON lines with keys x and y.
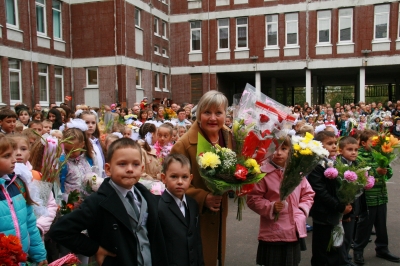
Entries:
{"x":292,"y":218}
{"x":44,"y":222}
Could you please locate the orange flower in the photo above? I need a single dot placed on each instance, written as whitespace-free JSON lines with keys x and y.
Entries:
{"x":387,"y":148}
{"x":393,"y":141}
{"x":70,"y":206}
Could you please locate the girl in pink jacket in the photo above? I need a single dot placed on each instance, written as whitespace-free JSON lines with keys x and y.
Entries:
{"x":280,"y":241}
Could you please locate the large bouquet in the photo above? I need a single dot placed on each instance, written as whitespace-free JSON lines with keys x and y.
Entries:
{"x":169,"y":114}
{"x":385,"y":149}
{"x":222,"y":170}
{"x":352,"y":181}
{"x":11,"y":252}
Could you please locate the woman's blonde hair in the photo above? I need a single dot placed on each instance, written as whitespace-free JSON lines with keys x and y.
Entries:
{"x":211,"y":98}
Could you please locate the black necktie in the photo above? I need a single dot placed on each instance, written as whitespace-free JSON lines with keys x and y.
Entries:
{"x":131,"y":200}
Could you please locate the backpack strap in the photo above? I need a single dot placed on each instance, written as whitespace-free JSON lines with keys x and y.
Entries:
{"x":90,"y":161}
{"x":21,"y":186}
{"x":63,"y":173}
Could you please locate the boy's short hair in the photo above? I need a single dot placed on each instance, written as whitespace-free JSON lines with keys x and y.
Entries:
{"x":7,"y":113}
{"x":306,"y":128}
{"x":346,"y":141}
{"x":366,"y":134}
{"x":180,"y":110}
{"x":175,"y":158}
{"x":47,"y":121}
{"x":122,"y":143}
{"x":321,"y":136}
{"x":35,"y":122}
{"x":30,"y":133}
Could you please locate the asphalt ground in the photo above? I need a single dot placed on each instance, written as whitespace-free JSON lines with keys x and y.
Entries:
{"x":242,"y":235}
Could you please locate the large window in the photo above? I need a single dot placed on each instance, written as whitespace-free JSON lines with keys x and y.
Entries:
{"x":165,"y":81}
{"x":164,"y":29}
{"x":59,"y":86}
{"x":292,"y":28}
{"x":138,"y":78}
{"x":57,"y":22}
{"x":381,"y":22}
{"x":157,"y":81}
{"x":195,"y":36}
{"x":345,"y":25}
{"x":43,"y":84}
{"x":241,"y":33}
{"x":91,"y":77}
{"x":223,"y":34}
{"x":14,"y":67}
{"x":137,"y":17}
{"x":272,"y":30}
{"x":156,"y":26}
{"x":41,"y":16}
{"x":324,"y":27}
{"x":12,"y":12}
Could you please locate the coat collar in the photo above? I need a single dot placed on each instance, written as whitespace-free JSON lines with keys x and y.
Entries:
{"x":168,"y":199}
{"x":195,"y":129}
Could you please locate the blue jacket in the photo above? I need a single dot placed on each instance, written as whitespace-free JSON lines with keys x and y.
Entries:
{"x":30,"y":237}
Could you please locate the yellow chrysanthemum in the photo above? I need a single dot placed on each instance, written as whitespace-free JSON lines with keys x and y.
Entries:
{"x":253,"y":165}
{"x":308,"y":137}
{"x":296,"y":147}
{"x":209,"y":159}
{"x":306,"y":151}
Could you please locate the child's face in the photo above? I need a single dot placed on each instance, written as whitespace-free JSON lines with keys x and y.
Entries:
{"x":37,"y":127}
{"x":177,"y":179}
{"x":36,"y":117}
{"x":228,"y":121}
{"x":181,"y":132}
{"x":367,"y":144}
{"x":320,"y":118}
{"x":7,"y":162}
{"x":68,"y":147}
{"x":8,"y":124}
{"x":22,"y":152}
{"x":46,"y":127}
{"x":362,"y":119}
{"x":122,"y":113}
{"x":57,"y":135}
{"x":280,"y":155}
{"x":52,"y":117}
{"x":150,"y":114}
{"x":344,"y":118}
{"x":398,"y":122}
{"x":174,"y":135}
{"x":23,"y":117}
{"x":163,"y":136}
{"x":387,"y":118}
{"x":127,"y":133}
{"x":349,"y":152}
{"x":91,"y":123}
{"x":330,"y":145}
{"x":125,"y":167}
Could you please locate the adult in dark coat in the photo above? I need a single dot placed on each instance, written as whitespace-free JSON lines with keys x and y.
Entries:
{"x":181,"y":233}
{"x":106,"y":219}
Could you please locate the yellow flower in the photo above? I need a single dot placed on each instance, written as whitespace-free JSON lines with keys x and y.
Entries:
{"x":306,"y":151}
{"x":209,"y":159}
{"x":296,"y":147}
{"x":253,"y":166}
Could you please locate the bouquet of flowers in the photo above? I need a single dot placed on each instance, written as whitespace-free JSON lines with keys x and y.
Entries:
{"x":352,"y":181}
{"x":156,"y":187}
{"x":70,"y":204}
{"x":385,"y":148}
{"x":222,"y":170}
{"x":169,"y":114}
{"x":305,"y":154}
{"x":11,"y":253}
{"x":162,"y":151}
{"x":90,"y":183}
{"x":70,"y":260}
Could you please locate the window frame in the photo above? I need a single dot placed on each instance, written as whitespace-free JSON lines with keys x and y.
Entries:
{"x":247,"y":33}
{"x":156,"y":27}
{"x":164,"y":29}
{"x":219,"y":39}
{"x":191,"y":35}
{"x":87,"y":77}
{"x":59,"y":76}
{"x":60,"y":11}
{"x":321,"y":19}
{"x":46,"y":76}
{"x":165,"y":83}
{"x":164,"y":54}
{"x":16,"y":15}
{"x":277,"y":30}
{"x":19,"y":71}
{"x":44,"y":18}
{"x":137,"y":18}
{"x":387,"y":21}
{"x":138,"y":78}
{"x":157,"y":50}
{"x":286,"y":30}
{"x":351,"y":25}
{"x":157,"y":81}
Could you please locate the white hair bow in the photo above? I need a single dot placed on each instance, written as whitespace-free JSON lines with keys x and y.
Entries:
{"x":77,"y":123}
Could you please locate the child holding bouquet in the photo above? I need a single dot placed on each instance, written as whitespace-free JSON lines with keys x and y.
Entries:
{"x":280,"y":241}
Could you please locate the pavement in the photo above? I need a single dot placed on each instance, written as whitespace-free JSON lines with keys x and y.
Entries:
{"x":242,"y":235}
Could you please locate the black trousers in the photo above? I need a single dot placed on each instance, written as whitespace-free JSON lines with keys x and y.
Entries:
{"x":347,"y":239}
{"x":320,"y":240}
{"x":376,"y":216}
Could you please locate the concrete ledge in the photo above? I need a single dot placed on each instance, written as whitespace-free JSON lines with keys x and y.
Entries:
{"x":271,"y":52}
{"x":242,"y":54}
{"x":43,"y":41}
{"x":194,"y":4}
{"x":325,"y":49}
{"x":223,"y":55}
{"x":195,"y":57}
{"x":345,"y":48}
{"x":291,"y":51}
{"x":15,"y":35}
{"x":59,"y":45}
{"x":380,"y":46}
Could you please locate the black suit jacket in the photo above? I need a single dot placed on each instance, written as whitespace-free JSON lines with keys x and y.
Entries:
{"x":183,"y":240}
{"x":107,"y":222}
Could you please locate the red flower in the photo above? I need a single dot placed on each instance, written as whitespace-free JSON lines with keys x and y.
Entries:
{"x":264,"y":118}
{"x":245,"y":189}
{"x":70,"y":206}
{"x":11,"y":250}
{"x":241,"y":172}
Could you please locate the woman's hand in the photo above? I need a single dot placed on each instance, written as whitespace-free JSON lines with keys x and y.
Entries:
{"x":381,"y":171}
{"x":101,"y":254}
{"x":213,"y":202}
{"x":278,"y":207}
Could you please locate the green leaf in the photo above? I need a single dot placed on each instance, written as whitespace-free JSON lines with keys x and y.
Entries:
{"x":202,"y":144}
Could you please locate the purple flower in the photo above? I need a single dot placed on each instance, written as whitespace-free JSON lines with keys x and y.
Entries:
{"x":370,"y":182}
{"x":350,"y":176}
{"x":331,"y":173}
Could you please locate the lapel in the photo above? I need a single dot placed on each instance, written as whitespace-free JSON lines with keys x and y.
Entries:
{"x":169,"y":200}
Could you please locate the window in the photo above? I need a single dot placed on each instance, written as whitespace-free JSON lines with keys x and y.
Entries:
{"x":137,"y":17}
{"x":156,"y":49}
{"x":324,"y":27}
{"x":164,"y":52}
{"x":43,"y":84}
{"x":195,"y":36}
{"x":165,"y":81}
{"x":381,"y":22}
{"x":156,"y":26}
{"x":138,"y":78}
{"x":14,"y":67}
{"x":241,"y":33}
{"x":57,"y":29}
{"x":272,"y":30}
{"x":345,"y":25}
{"x":41,"y":16}
{"x":164,"y":29}
{"x":292,"y":21}
{"x":12,"y":12}
{"x":223,"y":34}
{"x":59,"y":86}
{"x":156,"y":81}
{"x":91,"y":77}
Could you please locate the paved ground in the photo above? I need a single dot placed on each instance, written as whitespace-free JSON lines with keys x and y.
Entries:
{"x":242,"y":236}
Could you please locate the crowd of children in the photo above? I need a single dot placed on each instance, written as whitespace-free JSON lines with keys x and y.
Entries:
{"x":123,"y":223}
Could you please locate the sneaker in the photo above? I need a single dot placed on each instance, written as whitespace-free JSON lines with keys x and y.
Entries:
{"x":309,"y":228}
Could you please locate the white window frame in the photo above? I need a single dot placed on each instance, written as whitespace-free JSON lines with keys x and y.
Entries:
{"x":247,"y":33}
{"x":14,"y":70}
{"x":165,"y":81}
{"x":164,"y":52}
{"x":164,"y":29}
{"x":59,"y":76}
{"x":157,"y":81}
{"x":44,"y":17}
{"x":191,"y":35}
{"x":137,"y":17}
{"x":387,"y":21}
{"x":138,"y":78}
{"x":324,"y":16}
{"x":60,"y":11}
{"x":287,"y":22}
{"x":16,"y":25}
{"x":277,"y":29}
{"x":87,"y":77}
{"x":351,"y":25}
{"x":156,"y":27}
{"x":46,"y":76}
{"x":219,"y":39}
{"x":157,"y":50}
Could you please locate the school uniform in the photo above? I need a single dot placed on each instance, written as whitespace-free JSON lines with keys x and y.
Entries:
{"x":180,"y":224}
{"x":111,"y":221}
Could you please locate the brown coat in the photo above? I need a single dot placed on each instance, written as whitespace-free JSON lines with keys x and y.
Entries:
{"x":209,"y":221}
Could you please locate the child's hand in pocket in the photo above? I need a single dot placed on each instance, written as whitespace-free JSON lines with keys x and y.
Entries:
{"x":278,"y":206}
{"x":101,"y":254}
{"x":348,"y":209}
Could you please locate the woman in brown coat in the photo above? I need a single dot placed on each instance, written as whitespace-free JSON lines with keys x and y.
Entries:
{"x":210,"y":120}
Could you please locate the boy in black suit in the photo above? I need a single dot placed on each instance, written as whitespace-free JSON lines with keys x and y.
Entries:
{"x":179,"y":214}
{"x":121,"y":217}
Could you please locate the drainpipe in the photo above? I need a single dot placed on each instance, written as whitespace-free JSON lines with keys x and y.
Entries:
{"x":115,"y":51}
{"x":71,"y":60}
{"x":30,"y":50}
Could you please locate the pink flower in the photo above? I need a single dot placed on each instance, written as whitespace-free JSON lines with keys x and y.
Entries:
{"x":331,"y":173}
{"x":370,"y":182}
{"x":350,"y":176}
